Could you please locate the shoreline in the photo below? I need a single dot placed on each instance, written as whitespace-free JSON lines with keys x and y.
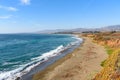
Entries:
{"x":50,"y":61}
{"x":81,"y":59}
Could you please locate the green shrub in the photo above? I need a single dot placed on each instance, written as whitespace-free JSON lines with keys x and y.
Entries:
{"x":103,"y":63}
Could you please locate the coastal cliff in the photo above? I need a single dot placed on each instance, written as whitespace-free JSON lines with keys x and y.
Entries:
{"x":111,"y":66}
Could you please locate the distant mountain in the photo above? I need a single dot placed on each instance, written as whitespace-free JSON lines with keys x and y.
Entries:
{"x":111,"y":28}
{"x":79,"y":30}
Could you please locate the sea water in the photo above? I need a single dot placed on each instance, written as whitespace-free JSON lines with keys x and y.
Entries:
{"x":19,"y":53}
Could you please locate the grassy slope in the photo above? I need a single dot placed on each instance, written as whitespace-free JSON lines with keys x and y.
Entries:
{"x":111,"y":66}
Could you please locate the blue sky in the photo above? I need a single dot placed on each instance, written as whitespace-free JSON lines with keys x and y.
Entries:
{"x":35,"y":15}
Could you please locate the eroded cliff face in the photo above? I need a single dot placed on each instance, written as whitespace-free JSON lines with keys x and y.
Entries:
{"x":111,"y":68}
{"x":110,"y":39}
{"x":113,"y":43}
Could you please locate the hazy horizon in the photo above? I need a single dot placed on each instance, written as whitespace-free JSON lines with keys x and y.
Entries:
{"x":23,"y":16}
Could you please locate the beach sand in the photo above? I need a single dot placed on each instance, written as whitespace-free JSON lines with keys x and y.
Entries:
{"x":82,"y":64}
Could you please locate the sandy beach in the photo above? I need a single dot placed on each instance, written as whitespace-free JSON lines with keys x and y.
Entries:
{"x":82,"y":64}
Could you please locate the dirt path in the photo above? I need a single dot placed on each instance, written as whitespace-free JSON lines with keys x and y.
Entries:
{"x":82,"y":64}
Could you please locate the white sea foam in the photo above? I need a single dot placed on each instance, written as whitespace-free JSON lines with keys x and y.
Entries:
{"x":12,"y":75}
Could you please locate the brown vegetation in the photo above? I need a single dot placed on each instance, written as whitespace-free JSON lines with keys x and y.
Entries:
{"x":111,"y":66}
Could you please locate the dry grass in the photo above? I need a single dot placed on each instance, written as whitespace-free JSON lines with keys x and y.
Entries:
{"x":110,"y":70}
{"x":111,"y":66}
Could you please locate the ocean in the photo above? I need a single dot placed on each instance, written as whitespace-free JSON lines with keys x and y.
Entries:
{"x":19,"y":53}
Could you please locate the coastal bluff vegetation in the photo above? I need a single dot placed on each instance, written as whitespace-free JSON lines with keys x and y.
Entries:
{"x":98,"y":58}
{"x":111,"y":66}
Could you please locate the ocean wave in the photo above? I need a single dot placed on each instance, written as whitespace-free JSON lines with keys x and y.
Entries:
{"x":12,"y":75}
{"x":23,"y":69}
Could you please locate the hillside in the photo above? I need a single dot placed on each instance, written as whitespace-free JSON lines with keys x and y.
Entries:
{"x":111,"y":66}
{"x":80,"y":30}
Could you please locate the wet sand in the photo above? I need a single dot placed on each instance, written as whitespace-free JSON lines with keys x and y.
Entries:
{"x":82,"y":64}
